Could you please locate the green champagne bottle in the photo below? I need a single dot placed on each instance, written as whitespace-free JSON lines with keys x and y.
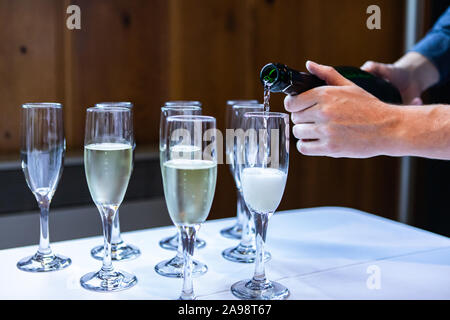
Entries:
{"x":278,"y":77}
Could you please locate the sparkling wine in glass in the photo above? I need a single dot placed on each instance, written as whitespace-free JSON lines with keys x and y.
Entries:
{"x":189,"y":170}
{"x":232,"y":118}
{"x":178,"y":107}
{"x":42,"y":153}
{"x":245,"y":251}
{"x":120,"y":250}
{"x":173,"y":268}
{"x":263,"y":176}
{"x":108,"y":162}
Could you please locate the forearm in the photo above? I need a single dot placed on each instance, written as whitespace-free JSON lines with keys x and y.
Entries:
{"x":422,"y":131}
{"x":422,"y":71}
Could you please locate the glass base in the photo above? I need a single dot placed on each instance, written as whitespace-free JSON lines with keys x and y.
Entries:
{"x":252,"y":290}
{"x":44,"y":263}
{"x":243,"y":254}
{"x":234,"y":232}
{"x":187,"y":297}
{"x":171,"y":243}
{"x":173,"y":268}
{"x":108,"y":281}
{"x":119,"y":252}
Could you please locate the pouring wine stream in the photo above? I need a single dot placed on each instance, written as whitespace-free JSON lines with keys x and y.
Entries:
{"x":267,"y":85}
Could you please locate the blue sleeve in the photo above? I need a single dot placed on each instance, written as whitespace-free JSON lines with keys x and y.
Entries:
{"x":436,"y":45}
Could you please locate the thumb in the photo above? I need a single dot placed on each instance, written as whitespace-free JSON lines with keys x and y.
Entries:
{"x":417,"y":101}
{"x":328,"y":74}
{"x":379,"y":69}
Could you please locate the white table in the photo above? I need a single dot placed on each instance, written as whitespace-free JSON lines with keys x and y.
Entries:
{"x":320,"y":253}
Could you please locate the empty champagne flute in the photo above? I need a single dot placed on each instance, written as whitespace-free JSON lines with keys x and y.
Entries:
{"x":108,"y":162}
{"x":263,"y":176}
{"x":120,"y":250}
{"x":245,"y":251}
{"x":189,"y":170}
{"x":235,"y":231}
{"x":174,"y":267}
{"x":177,"y":106}
{"x":42,"y":154}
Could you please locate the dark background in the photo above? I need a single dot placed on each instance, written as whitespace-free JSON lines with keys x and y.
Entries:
{"x":432,"y":185}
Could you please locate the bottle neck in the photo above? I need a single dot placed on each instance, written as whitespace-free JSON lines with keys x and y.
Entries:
{"x":280,"y":78}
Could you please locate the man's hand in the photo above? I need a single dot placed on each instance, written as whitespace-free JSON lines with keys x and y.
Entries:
{"x":341,"y":119}
{"x":412,"y":74}
{"x":401,"y":78}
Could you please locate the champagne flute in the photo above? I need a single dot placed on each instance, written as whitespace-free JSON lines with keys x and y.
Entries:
{"x":235,"y":231}
{"x":189,"y":167}
{"x":245,"y":252}
{"x":177,"y":107}
{"x":120,"y":250}
{"x":173,"y":268}
{"x":108,"y":162}
{"x":42,"y":153}
{"x":263,"y":176}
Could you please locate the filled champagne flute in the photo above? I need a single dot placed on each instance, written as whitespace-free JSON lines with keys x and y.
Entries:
{"x":177,"y":106}
{"x":263,"y":176}
{"x":120,"y":250}
{"x":108,"y":162}
{"x":42,"y":154}
{"x":189,"y":170}
{"x":245,"y":251}
{"x":173,"y":268}
{"x":235,"y":231}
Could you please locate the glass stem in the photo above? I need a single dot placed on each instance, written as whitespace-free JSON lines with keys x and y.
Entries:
{"x":240,"y":209}
{"x":115,"y":236}
{"x":261,"y":221}
{"x":180,"y":245}
{"x":108,"y":213}
{"x":188,"y":241}
{"x":248,"y":230}
{"x":44,"y":241}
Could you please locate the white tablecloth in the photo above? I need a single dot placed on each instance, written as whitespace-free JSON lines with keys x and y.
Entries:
{"x":320,"y":253}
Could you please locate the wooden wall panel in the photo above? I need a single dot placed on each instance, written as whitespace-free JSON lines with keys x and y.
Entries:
{"x":210,"y":53}
{"x":30,"y":61}
{"x":120,"y":54}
